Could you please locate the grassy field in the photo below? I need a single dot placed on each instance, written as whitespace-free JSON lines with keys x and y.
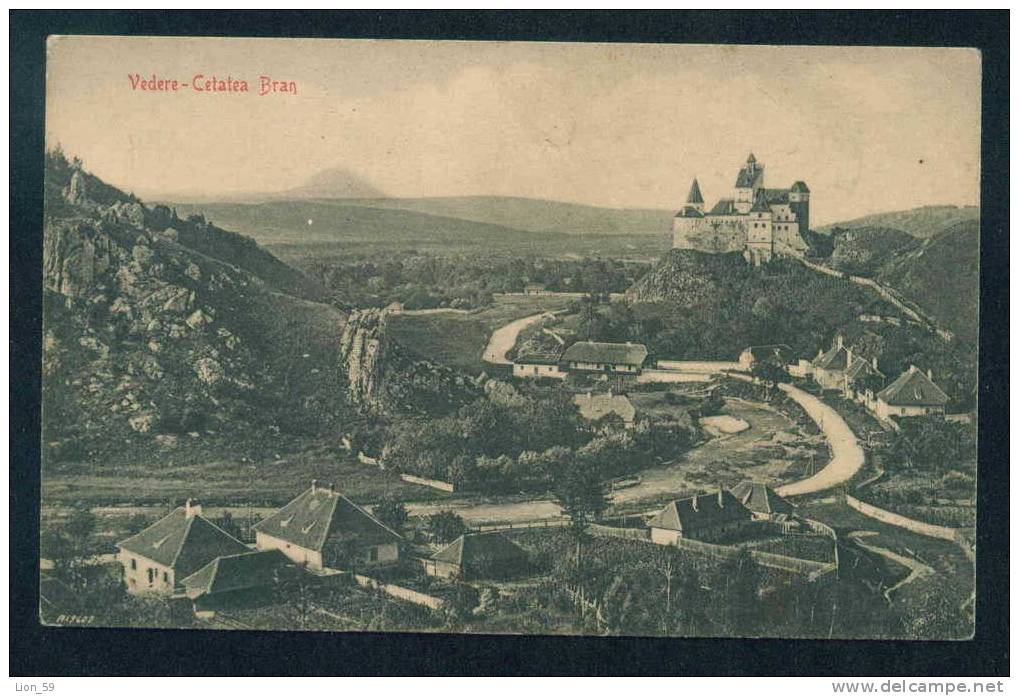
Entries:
{"x":458,"y":340}
{"x":267,"y":482}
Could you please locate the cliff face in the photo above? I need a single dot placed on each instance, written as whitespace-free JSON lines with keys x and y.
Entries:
{"x":361,"y":355}
{"x":382,"y":377}
{"x":152,"y":348}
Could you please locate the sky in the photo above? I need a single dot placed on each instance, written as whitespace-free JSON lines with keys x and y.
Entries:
{"x":615,"y":125}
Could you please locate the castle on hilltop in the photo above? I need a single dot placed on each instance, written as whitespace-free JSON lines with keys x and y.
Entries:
{"x":758,"y":221}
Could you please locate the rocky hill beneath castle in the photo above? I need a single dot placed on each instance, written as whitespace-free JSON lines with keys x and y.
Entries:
{"x":167,"y":338}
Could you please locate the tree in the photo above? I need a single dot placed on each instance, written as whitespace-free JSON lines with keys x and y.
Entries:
{"x":581,"y":497}
{"x":445,"y":526}
{"x":391,"y":513}
{"x":297,"y":590}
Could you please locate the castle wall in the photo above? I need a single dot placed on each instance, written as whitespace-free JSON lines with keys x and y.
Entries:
{"x":718,"y":233}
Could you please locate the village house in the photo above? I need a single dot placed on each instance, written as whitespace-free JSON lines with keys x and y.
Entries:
{"x":840,"y":369}
{"x":913,"y":393}
{"x":538,"y":365}
{"x":608,"y":358}
{"x":322,"y":529}
{"x":475,"y":556}
{"x":160,"y":556}
{"x":763,"y":502}
{"x":237,"y":578}
{"x":778,"y":352}
{"x":594,"y":407}
{"x":705,"y":517}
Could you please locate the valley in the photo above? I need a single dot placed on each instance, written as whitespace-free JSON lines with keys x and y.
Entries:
{"x":369,"y":343}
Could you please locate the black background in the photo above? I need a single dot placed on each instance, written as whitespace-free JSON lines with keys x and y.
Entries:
{"x":38,"y":650}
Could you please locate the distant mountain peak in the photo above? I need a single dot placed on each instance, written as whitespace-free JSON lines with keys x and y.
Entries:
{"x":336,"y":182}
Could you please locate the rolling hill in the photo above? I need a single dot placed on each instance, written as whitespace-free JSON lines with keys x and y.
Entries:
{"x":531,"y":215}
{"x":942,"y":275}
{"x":391,"y":229}
{"x":923,"y":222}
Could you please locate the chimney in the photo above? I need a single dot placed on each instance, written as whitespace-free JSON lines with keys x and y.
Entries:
{"x":912,"y":369}
{"x":721,"y":501}
{"x":838,"y":340}
{"x":314,"y":485}
{"x":191,"y":510}
{"x":849,"y":357}
{"x":873,"y":363}
{"x":693,"y":503}
{"x":930,"y":375}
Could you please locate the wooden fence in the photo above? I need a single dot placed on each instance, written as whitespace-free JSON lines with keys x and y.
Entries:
{"x":432,"y":483}
{"x":399,"y":592}
{"x":547,"y":523}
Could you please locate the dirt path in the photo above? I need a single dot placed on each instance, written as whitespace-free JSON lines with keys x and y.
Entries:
{"x":917,"y":570}
{"x":847,"y":455}
{"x":504,"y":338}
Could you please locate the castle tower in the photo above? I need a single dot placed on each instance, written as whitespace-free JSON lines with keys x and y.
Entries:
{"x":799,"y":203}
{"x":748,"y":182}
{"x":694,"y":199}
{"x":760,"y":234}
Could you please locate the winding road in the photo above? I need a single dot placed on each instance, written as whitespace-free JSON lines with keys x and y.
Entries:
{"x":846,"y":454}
{"x":917,"y":570}
{"x":504,"y":338}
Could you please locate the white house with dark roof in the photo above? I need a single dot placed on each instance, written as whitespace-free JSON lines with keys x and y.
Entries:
{"x":235,"y":574}
{"x":608,"y":358}
{"x":913,"y":393}
{"x":473,"y":556}
{"x":538,"y":365}
{"x":160,"y":556}
{"x":842,"y":369}
{"x":322,"y":528}
{"x":704,"y":517}
{"x":758,"y":221}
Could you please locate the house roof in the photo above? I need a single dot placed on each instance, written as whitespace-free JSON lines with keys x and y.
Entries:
{"x":800,"y":187}
{"x":240,"y":571}
{"x":472,"y":551}
{"x":184,"y":543}
{"x":725,"y":206}
{"x":596,"y":406}
{"x":760,"y":498}
{"x":702,"y":511}
{"x":749,"y":179}
{"x":913,"y":388}
{"x":689,"y":212}
{"x":542,"y":358}
{"x":760,"y":203}
{"x":695,"y":193}
{"x":777,"y":196}
{"x":835,"y":359}
{"x":860,"y":367}
{"x":318,"y":513}
{"x":612,"y":353}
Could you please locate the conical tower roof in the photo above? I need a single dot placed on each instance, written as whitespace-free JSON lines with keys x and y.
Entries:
{"x":695,"y":193}
{"x":760,"y":203}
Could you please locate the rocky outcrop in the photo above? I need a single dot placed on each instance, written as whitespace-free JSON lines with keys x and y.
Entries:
{"x":148,"y":340}
{"x":361,"y":355}
{"x":75,"y":253}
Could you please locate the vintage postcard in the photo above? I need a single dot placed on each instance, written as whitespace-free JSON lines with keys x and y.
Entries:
{"x":510,"y":338}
